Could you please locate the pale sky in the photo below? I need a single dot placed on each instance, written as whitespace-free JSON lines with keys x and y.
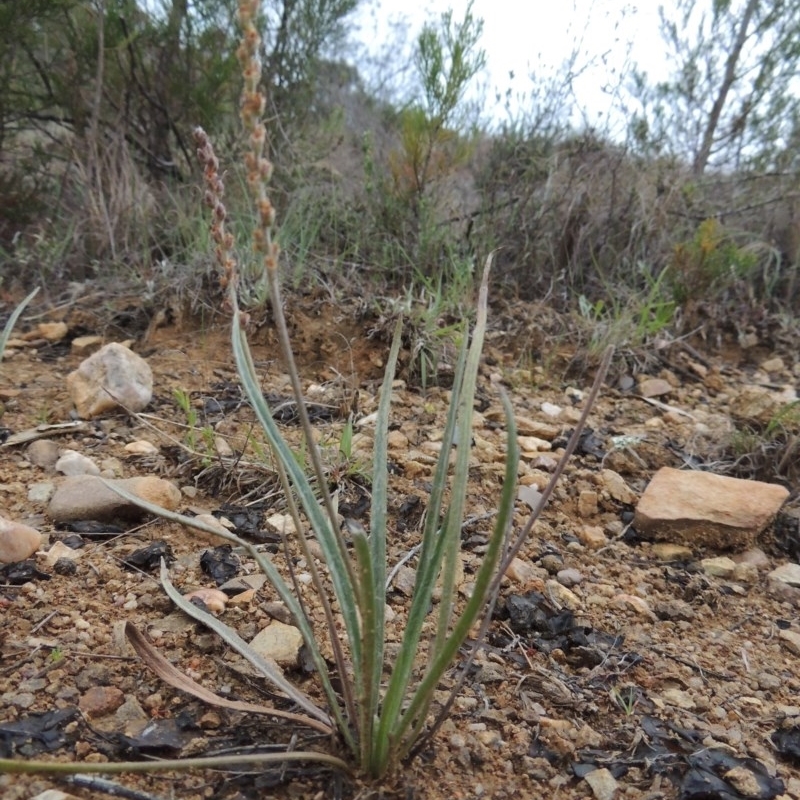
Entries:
{"x":520,"y":35}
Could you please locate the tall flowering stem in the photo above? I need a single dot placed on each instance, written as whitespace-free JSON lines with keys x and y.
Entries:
{"x":258,"y":166}
{"x":214,"y":199}
{"x":259,"y":172}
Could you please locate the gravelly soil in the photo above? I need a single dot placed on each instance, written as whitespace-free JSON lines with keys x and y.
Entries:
{"x":641,"y":667}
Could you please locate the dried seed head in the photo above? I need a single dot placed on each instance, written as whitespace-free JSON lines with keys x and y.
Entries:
{"x":265,"y":169}
{"x":258,"y":169}
{"x":213,"y":198}
{"x":258,"y":137}
{"x":266,"y":212}
{"x":252,"y":39}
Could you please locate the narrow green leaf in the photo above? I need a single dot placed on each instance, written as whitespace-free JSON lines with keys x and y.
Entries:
{"x":12,"y":321}
{"x":321,"y":590}
{"x":434,"y":542}
{"x":368,"y":604}
{"x":373,"y":654}
{"x":339,"y":571}
{"x":346,"y":442}
{"x":458,"y":491}
{"x":480,"y":596}
{"x":276,"y":301}
{"x":428,"y":562}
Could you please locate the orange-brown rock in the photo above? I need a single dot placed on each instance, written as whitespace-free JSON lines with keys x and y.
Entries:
{"x":706,"y":510}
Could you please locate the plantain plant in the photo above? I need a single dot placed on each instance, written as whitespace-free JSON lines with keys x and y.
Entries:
{"x":379,"y":702}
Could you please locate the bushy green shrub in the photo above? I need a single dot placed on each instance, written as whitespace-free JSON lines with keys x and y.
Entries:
{"x":710,"y":260}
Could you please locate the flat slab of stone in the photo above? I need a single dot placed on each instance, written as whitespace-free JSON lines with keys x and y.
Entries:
{"x":87,"y":497}
{"x":700,"y":509}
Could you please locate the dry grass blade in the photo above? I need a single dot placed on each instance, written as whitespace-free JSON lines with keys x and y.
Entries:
{"x":223,"y":630}
{"x":270,"y":671}
{"x":170,"y":674}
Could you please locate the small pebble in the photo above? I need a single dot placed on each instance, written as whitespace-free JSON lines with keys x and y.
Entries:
{"x":569,"y":577}
{"x":73,"y":463}
{"x":43,"y":453}
{"x":552,"y":563}
{"x":213,"y":599}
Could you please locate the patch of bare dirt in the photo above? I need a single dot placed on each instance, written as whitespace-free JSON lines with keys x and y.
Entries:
{"x":603,"y":655}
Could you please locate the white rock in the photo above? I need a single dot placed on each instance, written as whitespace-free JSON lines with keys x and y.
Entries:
{"x":551,"y":410}
{"x":86,"y":345}
{"x":521,"y":571}
{"x":17,"y":541}
{"x":762,"y":405}
{"x":141,"y":447}
{"x":203,"y":536}
{"x":279,"y":642}
{"x":563,"y":596}
{"x":397,"y":440}
{"x":569,"y":577}
{"x":532,"y":427}
{"x":745,"y":573}
{"x":58,"y":551}
{"x":654,"y":387}
{"x":111,"y":468}
{"x":533,"y":444}
{"x":791,"y":640}
{"x":41,"y":492}
{"x":592,"y":536}
{"x":114,"y":376}
{"x":529,"y":495}
{"x":587,"y":503}
{"x":774,"y":364}
{"x":54,"y":794}
{"x":603,"y":784}
{"x":616,"y":487}
{"x":637,"y":604}
{"x":72,"y":462}
{"x":667,"y":551}
{"x":224,"y":450}
{"x":52,"y":331}
{"x":755,"y":557}
{"x":282,"y":523}
{"x":720,"y":567}
{"x":405,"y":580}
{"x":678,"y":697}
{"x":786,"y":573}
